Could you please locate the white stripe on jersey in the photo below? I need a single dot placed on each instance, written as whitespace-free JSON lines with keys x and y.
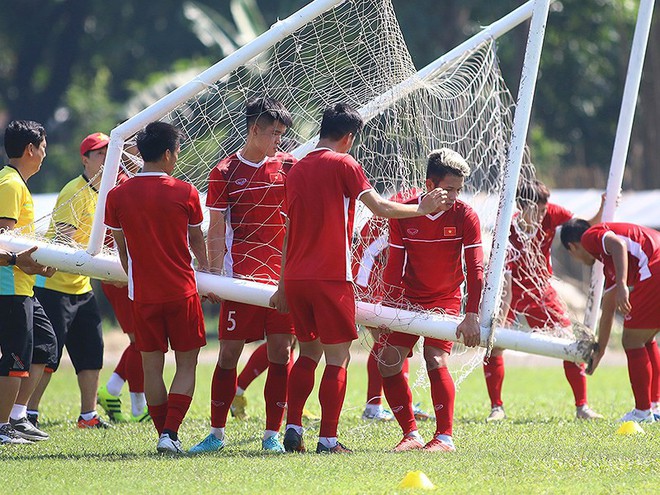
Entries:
{"x":347,"y":250}
{"x":267,"y":186}
{"x":368,"y":260}
{"x":635,"y":249}
{"x":472,"y":246}
{"x":229,"y":241}
{"x":432,"y":240}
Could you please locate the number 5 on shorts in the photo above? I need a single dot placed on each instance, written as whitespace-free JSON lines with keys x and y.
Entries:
{"x":231,"y":321}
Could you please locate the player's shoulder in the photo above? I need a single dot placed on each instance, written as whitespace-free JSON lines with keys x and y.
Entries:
{"x":73,"y":186}
{"x":226,"y":165}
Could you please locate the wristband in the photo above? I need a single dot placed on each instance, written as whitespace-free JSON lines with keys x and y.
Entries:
{"x":12,"y":259}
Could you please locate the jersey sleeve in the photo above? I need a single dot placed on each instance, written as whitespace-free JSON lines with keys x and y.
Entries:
{"x":217,"y":195}
{"x":111,"y":220}
{"x":195,"y":208}
{"x":355,"y":181}
{"x":474,"y":260}
{"x":592,"y":240}
{"x":559,"y":215}
{"x":11,"y":199}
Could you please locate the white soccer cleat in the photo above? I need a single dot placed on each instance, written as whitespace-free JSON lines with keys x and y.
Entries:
{"x":166,"y":445}
{"x":379,"y":414}
{"x":585,"y":412}
{"x":638,"y":416}
{"x":496,"y":414}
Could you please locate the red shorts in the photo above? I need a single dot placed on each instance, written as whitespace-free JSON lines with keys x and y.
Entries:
{"x":121,"y":305}
{"x":450,"y":306}
{"x":246,"y":322}
{"x":181,"y":322}
{"x":546,"y":311}
{"x":322,"y":309}
{"x":645,"y":303}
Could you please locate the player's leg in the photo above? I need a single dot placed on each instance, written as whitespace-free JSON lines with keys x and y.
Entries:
{"x":395,"y":350}
{"x":135,"y":378}
{"x":640,"y":372}
{"x":275,"y":391}
{"x":256,"y":364}
{"x":373,"y":408}
{"x":494,"y":374}
{"x":155,"y":390}
{"x":654,"y":356}
{"x":443,"y":393}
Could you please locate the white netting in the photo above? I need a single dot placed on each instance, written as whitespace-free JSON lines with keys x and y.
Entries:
{"x":356,"y":53}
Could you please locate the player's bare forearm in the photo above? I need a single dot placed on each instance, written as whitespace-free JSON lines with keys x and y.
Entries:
{"x":198,"y":247}
{"x":216,"y":241}
{"x":604,"y":330}
{"x":433,"y":201}
{"x":507,"y":297}
{"x":278,"y":299}
{"x":619,"y":252}
{"x":120,"y":242}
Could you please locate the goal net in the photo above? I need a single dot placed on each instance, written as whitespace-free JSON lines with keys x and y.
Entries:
{"x":354,"y":53}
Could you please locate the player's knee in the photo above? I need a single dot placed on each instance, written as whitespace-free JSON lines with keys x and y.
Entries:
{"x":435,"y":358}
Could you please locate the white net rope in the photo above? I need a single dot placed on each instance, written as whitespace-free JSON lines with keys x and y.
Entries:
{"x":356,"y":53}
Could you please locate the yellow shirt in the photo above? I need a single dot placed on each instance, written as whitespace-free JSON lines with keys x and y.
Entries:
{"x":16,"y":203}
{"x":75,"y":208}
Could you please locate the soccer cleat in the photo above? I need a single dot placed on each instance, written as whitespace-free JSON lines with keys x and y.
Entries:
{"x":272,"y":444}
{"x":337,"y":449}
{"x":421,"y":415}
{"x":238,"y":407}
{"x":378,"y":415}
{"x":638,"y":416}
{"x":166,"y":445}
{"x":95,"y":422}
{"x":585,"y":412}
{"x":210,"y":444}
{"x":409,"y":443}
{"x":34,"y":419}
{"x":496,"y":414}
{"x":436,"y":445}
{"x":310,"y":416}
{"x":655,"y":409}
{"x":111,"y":404}
{"x":27,"y":430}
{"x":293,"y":441}
{"x":9,"y":435}
{"x":141,"y":417}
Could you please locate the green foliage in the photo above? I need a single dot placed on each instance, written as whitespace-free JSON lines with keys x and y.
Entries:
{"x":539,"y":449}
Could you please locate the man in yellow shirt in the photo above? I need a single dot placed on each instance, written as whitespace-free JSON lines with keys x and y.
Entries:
{"x":67,"y":298}
{"x":27,"y":340}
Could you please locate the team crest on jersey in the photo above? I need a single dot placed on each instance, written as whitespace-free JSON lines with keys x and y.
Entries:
{"x":412,"y":231}
{"x":276,"y":176}
{"x":241,"y":182}
{"x":450,"y":231}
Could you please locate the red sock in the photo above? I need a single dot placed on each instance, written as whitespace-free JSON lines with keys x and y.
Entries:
{"x":331,"y":396}
{"x":177,"y":407}
{"x":639,"y":371}
{"x":374,"y":378}
{"x":302,"y":378}
{"x":443,"y":394}
{"x":120,"y":369}
{"x":399,"y":397}
{"x":577,"y":379}
{"x":494,"y":373}
{"x":223,"y":391}
{"x":256,"y":365}
{"x":289,"y":365}
{"x":134,"y":372}
{"x":654,"y":356}
{"x":158,"y":414}
{"x":275,"y":395}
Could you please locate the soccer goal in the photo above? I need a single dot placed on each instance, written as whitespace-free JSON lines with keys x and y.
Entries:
{"x":354,"y":51}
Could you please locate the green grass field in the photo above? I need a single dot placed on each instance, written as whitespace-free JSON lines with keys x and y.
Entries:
{"x":539,"y":449}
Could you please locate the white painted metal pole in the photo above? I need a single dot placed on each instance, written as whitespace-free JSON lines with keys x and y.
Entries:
{"x":493,"y":283}
{"x":621,"y":144}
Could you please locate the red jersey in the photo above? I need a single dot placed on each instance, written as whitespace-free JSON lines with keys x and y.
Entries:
{"x":643,"y":246}
{"x":252,"y":195}
{"x":321,"y":191}
{"x":426,"y":256}
{"x":154,"y":211}
{"x":109,"y":241}
{"x":528,"y":255}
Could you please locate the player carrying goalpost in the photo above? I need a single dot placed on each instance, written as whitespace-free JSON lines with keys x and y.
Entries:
{"x":321,"y":191}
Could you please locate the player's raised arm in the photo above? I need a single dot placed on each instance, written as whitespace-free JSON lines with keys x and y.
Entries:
{"x":617,"y":249}
{"x":433,"y":201}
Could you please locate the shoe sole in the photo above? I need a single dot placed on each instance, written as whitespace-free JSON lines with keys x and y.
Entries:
{"x":33,"y":438}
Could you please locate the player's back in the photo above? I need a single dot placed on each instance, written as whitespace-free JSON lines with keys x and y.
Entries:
{"x":321,"y":190}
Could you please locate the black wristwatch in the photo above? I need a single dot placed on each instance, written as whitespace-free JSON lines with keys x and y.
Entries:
{"x":12,"y":259}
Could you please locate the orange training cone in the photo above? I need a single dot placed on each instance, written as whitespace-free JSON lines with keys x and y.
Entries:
{"x":416,"y":479}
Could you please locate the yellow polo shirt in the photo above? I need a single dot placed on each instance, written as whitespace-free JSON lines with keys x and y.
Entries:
{"x":75,"y":207}
{"x":16,"y":204}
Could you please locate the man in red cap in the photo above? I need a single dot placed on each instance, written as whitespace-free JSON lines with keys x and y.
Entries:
{"x":68,"y":299}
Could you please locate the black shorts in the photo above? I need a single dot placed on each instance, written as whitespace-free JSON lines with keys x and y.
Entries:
{"x":77,"y":323}
{"x":26,"y":335}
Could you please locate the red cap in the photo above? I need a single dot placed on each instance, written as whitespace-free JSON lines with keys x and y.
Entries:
{"x":94,"y":142}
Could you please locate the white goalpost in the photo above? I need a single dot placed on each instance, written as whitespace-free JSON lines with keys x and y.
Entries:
{"x":353,"y":51}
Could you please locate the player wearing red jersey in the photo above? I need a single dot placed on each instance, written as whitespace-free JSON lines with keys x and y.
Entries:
{"x":321,"y":191}
{"x":246,"y":235}
{"x":425,"y":268}
{"x":528,"y":291}
{"x":154,"y":248}
{"x":129,"y":367}
{"x":631,"y":263}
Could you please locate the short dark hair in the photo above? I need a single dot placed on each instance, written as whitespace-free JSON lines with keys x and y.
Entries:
{"x":531,"y":193}
{"x":446,"y":161}
{"x":156,"y":138}
{"x":266,"y":111}
{"x":338,"y":120}
{"x":19,"y":134}
{"x":572,"y":231}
